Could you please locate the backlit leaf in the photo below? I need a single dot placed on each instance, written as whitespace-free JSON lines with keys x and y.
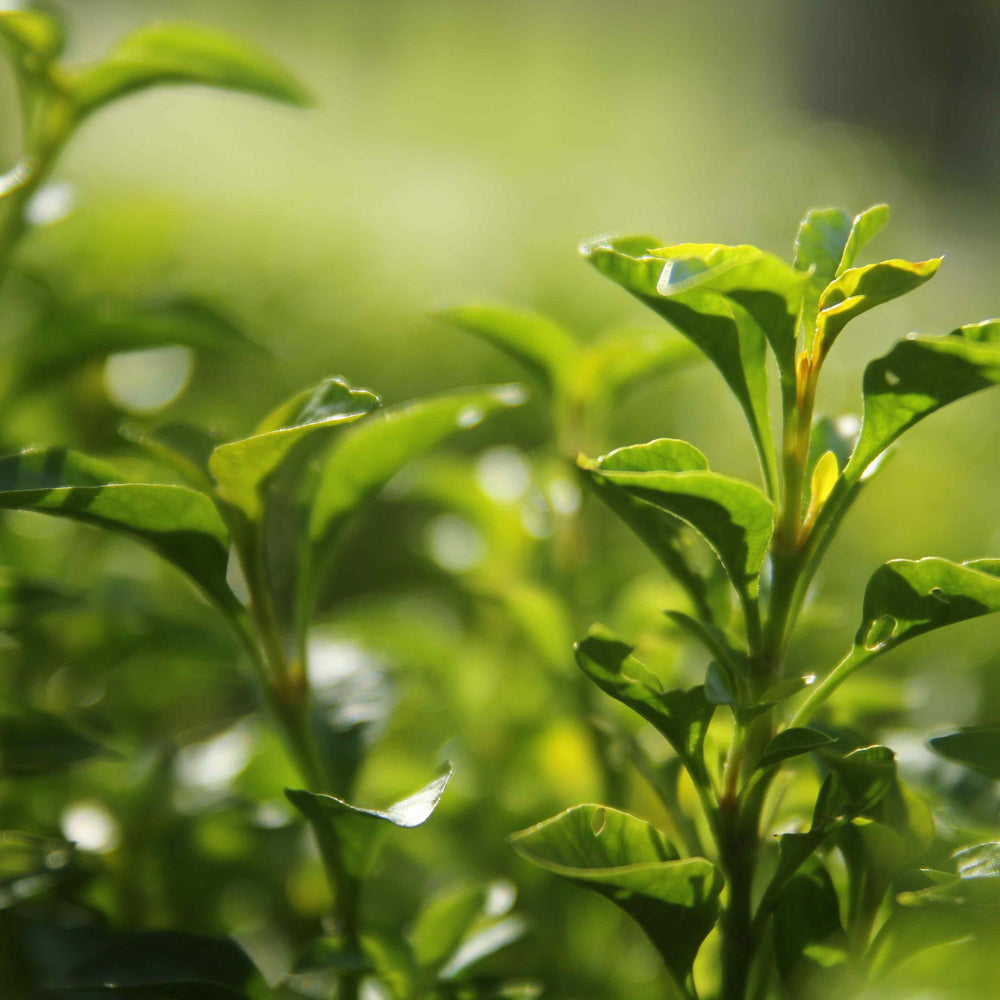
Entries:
{"x":242,"y":468}
{"x":177,"y":52}
{"x":357,"y":831}
{"x":791,"y":743}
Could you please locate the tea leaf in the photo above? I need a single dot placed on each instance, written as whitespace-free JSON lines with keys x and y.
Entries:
{"x":682,"y":717}
{"x":33,"y":743}
{"x":171,"y":53}
{"x":791,"y":743}
{"x":735,"y":518}
{"x":443,"y":922}
{"x":918,"y":376}
{"x":866,"y":226}
{"x":906,"y":598}
{"x":718,"y":325}
{"x":819,"y":244}
{"x":540,"y":345}
{"x":977,"y":747}
{"x":859,"y":289}
{"x":179,"y":524}
{"x":32,"y":32}
{"x":631,"y":863}
{"x":357,"y":832}
{"x":243,"y":468}
{"x":362,"y":461}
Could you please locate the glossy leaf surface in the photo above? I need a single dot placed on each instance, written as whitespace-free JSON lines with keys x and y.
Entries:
{"x":358,"y":831}
{"x":170,"y":53}
{"x":242,"y":468}
{"x":635,"y":866}
{"x":791,"y":743}
{"x":918,"y":376}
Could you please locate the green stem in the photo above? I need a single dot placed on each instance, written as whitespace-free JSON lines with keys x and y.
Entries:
{"x":857,"y":657}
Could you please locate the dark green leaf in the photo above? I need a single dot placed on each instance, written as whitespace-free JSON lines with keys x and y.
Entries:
{"x":358,"y":831}
{"x":243,"y":468}
{"x":856,"y":784}
{"x":906,"y":598}
{"x":918,"y":376}
{"x":809,"y":942}
{"x":735,"y":518}
{"x":681,"y":716}
{"x":791,"y":743}
{"x":718,"y":686}
{"x":539,"y":344}
{"x":169,"y":53}
{"x":33,"y":743}
{"x":179,"y":524}
{"x":859,"y":289}
{"x":67,"y":336}
{"x":635,"y":866}
{"x":977,"y":747}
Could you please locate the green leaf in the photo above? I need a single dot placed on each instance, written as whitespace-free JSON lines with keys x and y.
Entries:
{"x":544,"y":348}
{"x":865,"y":227}
{"x":179,"y":524}
{"x":634,"y":865}
{"x":481,"y":944}
{"x":856,"y":784}
{"x":735,"y":518}
{"x":170,"y":53}
{"x":682,"y":717}
{"x":906,"y":598}
{"x":34,"y":743}
{"x":32,"y":32}
{"x":809,"y":942}
{"x":356,"y":831}
{"x":819,"y":245}
{"x":718,"y":325}
{"x":443,"y":922}
{"x":621,"y":359}
{"x":791,"y":743}
{"x":243,"y":468}
{"x":362,"y":461}
{"x":66,"y":336}
{"x":918,"y":376}
{"x":859,"y":289}
{"x":977,"y":747}
{"x":185,"y":448}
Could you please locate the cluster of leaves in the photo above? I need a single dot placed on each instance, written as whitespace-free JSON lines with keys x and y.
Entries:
{"x":782,"y":912}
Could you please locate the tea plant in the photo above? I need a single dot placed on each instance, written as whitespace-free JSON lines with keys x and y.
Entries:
{"x":787,"y":913}
{"x":256,"y":525}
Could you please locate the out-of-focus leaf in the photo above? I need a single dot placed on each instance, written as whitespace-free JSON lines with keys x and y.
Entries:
{"x":634,"y":865}
{"x":184,"y":447}
{"x":443,"y":922}
{"x":243,"y":468}
{"x":179,"y":524}
{"x":809,"y":942}
{"x":165,"y":964}
{"x":481,"y":944}
{"x":735,"y":518}
{"x":357,"y":831}
{"x":544,"y":348}
{"x":32,"y":32}
{"x":918,"y":376}
{"x":856,"y":784}
{"x":170,"y":53}
{"x":33,"y":743}
{"x":859,"y":289}
{"x":719,"y":325}
{"x":681,"y":716}
{"x":65,"y":337}
{"x":977,"y":747}
{"x":791,"y":743}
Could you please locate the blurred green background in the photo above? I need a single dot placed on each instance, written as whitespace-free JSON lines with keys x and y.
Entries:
{"x":462,"y":150}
